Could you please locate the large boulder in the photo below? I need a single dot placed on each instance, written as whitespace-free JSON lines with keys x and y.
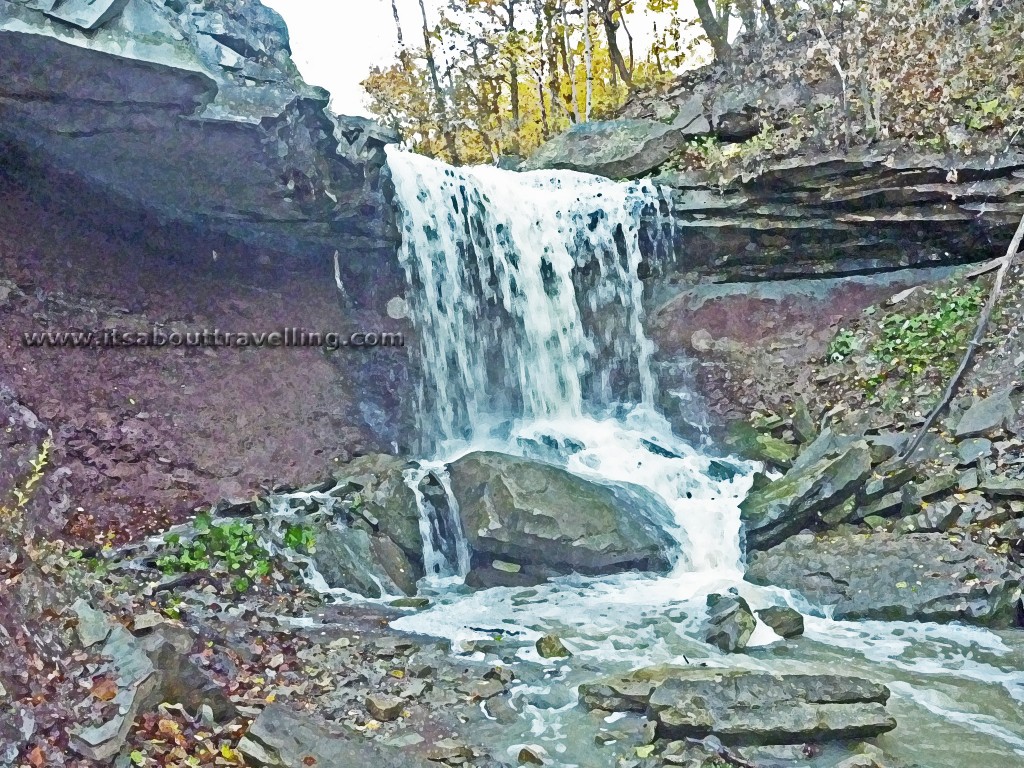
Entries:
{"x":548,"y":520}
{"x":785,"y":506}
{"x":376,"y":485}
{"x":746,"y":707}
{"x":916,"y":577}
{"x":617,"y":148}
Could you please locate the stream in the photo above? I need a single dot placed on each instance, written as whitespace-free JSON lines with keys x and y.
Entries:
{"x":525,"y":292}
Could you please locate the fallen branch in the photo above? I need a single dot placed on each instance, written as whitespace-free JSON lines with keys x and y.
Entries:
{"x":972,"y":345}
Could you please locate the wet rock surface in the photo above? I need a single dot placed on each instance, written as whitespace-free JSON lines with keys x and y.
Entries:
{"x":540,"y":516}
{"x":787,"y":505}
{"x":729,"y":623}
{"x":785,"y":622}
{"x":746,"y":707}
{"x":916,"y":577}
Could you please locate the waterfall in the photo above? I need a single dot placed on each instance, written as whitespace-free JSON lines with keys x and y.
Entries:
{"x":524,"y":293}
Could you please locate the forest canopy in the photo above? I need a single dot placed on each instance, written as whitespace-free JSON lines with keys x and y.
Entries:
{"x":493,"y":78}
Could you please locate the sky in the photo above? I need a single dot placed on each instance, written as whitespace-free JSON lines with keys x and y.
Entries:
{"x":335,"y":42}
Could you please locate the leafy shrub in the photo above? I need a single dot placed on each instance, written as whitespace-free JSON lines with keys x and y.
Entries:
{"x":232,"y":547}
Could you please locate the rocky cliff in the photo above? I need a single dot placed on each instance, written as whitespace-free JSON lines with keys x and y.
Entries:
{"x":163,"y":165}
{"x":196,"y":112}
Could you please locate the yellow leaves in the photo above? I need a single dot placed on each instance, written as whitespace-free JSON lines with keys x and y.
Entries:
{"x":105,"y":689}
{"x":167,"y":727}
{"x":228,"y":753}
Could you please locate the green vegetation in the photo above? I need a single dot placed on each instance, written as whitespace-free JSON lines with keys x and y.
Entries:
{"x":12,"y":512}
{"x":499,"y":77}
{"x":906,"y":347}
{"x":233,"y":548}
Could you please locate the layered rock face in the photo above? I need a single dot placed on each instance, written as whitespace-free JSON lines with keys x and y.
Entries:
{"x":164,"y":166}
{"x":194,"y":111}
{"x":869,"y":209}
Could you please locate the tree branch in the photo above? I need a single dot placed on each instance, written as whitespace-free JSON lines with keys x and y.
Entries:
{"x":972,"y":345}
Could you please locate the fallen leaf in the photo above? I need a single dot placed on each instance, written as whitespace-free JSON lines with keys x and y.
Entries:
{"x":105,"y":689}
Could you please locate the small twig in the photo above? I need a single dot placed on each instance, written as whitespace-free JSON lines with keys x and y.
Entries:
{"x":186,"y":580}
{"x":972,"y":345}
{"x":712,"y":744}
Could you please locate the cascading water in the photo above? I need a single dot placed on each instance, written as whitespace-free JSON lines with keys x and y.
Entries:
{"x":494,"y":259}
{"x":525,"y":293}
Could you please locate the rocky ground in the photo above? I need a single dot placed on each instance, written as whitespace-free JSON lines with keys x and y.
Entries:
{"x":835,"y":426}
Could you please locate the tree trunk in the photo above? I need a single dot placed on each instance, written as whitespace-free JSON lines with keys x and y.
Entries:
{"x":442,"y":113}
{"x":610,"y":29}
{"x":569,"y":67}
{"x":513,"y":76}
{"x":588,"y":58}
{"x":398,"y":23}
{"x":749,"y":17}
{"x":716,"y":34}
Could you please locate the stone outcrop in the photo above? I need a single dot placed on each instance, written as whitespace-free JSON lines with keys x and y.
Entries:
{"x":197,"y":113}
{"x":915,"y":577}
{"x":745,"y":707}
{"x":282,"y":738}
{"x":808,"y":490}
{"x":549,"y":521}
{"x":873,"y":208}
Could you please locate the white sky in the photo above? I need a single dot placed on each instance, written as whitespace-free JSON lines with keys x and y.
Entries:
{"x":335,"y":42}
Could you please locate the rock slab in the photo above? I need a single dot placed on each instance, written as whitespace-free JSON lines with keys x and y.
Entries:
{"x":880,"y":576}
{"x":785,"y":506}
{"x":743,"y":707}
{"x":281,"y":738}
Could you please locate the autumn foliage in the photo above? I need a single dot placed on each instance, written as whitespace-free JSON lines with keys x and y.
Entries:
{"x":499,"y":77}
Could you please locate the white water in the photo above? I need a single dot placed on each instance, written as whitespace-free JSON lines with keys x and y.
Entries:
{"x":525,"y":294}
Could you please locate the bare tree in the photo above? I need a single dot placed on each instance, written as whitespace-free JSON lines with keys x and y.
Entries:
{"x":439,"y":105}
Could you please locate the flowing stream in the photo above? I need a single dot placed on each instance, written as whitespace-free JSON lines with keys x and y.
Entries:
{"x":525,"y":292}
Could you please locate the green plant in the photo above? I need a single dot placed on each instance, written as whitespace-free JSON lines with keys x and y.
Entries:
{"x":910,"y":346}
{"x":981,"y":114}
{"x":842,"y":346}
{"x":299,"y":537}
{"x":232,"y":547}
